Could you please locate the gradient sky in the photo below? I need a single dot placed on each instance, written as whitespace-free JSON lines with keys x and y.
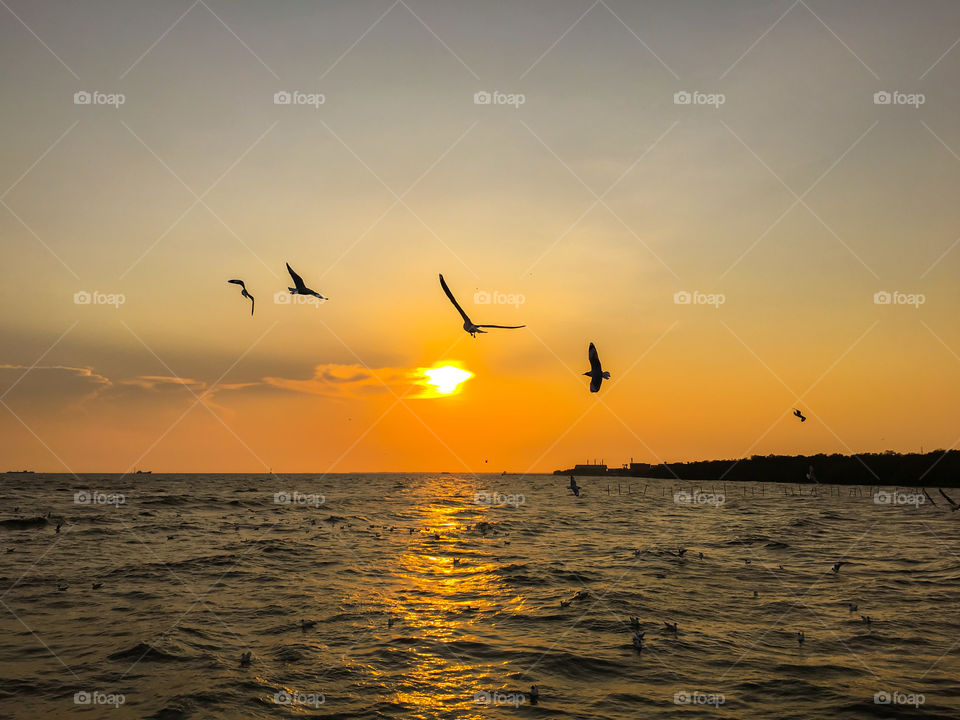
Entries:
{"x":597,"y":200}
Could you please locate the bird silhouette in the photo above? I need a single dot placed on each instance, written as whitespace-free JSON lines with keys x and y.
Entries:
{"x":300,"y":288}
{"x":469,"y":325}
{"x":244,"y":293}
{"x":799,"y":415}
{"x":597,"y":374}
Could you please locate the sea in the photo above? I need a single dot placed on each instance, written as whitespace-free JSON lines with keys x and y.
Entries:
{"x":452,"y":595}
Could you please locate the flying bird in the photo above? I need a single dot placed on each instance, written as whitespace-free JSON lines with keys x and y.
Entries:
{"x":597,"y":374}
{"x":839,"y":564}
{"x":953,"y":506}
{"x":468,"y":324}
{"x":243,"y":292}
{"x":300,"y":288}
{"x":799,"y":415}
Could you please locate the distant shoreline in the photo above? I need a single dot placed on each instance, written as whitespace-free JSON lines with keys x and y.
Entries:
{"x":939,"y":468}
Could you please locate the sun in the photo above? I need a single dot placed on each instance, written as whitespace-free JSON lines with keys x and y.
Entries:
{"x":446,"y":379}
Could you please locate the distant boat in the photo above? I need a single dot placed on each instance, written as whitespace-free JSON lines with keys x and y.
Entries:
{"x":20,"y":472}
{"x":144,"y":472}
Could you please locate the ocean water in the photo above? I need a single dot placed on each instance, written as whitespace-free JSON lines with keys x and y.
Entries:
{"x":197,"y":569}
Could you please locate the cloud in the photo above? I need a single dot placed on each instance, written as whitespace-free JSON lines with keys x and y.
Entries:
{"x":52,"y":382}
{"x":348,"y":381}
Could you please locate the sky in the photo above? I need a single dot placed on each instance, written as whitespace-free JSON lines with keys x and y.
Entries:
{"x":748,"y":207}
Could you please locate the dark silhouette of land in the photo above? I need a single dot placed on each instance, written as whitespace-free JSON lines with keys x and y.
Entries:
{"x":940,"y":468}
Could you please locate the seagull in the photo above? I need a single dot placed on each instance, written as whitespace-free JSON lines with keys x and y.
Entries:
{"x":304,"y":624}
{"x":97,"y":586}
{"x":62,"y":588}
{"x":953,"y":506}
{"x":245,"y":659}
{"x":564,"y":603}
{"x":468,"y":324}
{"x":534,"y":694}
{"x":635,"y":623}
{"x":243,"y":292}
{"x":638,"y":640}
{"x":672,"y":627}
{"x":300,"y":288}
{"x":681,"y":551}
{"x":799,"y":415}
{"x":837,"y":565}
{"x":851,"y":607}
{"x":574,"y":487}
{"x":800,"y":638}
{"x":597,"y":374}
{"x":865,"y":618}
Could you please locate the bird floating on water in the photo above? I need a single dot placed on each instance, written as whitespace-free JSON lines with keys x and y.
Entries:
{"x":865,"y":618}
{"x":574,"y":488}
{"x":300,"y":288}
{"x":97,"y":586}
{"x":800,"y":638}
{"x":468,"y":325}
{"x":597,"y":374}
{"x":839,"y":564}
{"x":851,"y":607}
{"x":244,"y":293}
{"x":638,"y":640}
{"x":671,"y":627}
{"x":245,"y":659}
{"x":305,"y":624}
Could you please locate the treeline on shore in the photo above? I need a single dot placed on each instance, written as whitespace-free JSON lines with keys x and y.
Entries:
{"x":939,"y":468}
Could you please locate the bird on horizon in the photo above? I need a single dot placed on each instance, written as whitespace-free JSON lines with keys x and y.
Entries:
{"x":799,"y":415}
{"x":244,"y":293}
{"x":839,"y":564}
{"x":300,"y":288}
{"x":953,"y":506}
{"x":597,"y":374}
{"x":468,"y":325}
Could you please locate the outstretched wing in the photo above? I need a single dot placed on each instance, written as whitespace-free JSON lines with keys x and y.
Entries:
{"x":443,"y":284}
{"x":238,"y":282}
{"x":297,"y":280}
{"x":504,"y":327}
{"x":594,"y":361}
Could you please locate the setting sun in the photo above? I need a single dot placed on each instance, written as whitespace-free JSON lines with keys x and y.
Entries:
{"x":446,"y":379}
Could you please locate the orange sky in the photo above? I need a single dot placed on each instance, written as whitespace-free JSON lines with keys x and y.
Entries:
{"x":582,"y":212}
